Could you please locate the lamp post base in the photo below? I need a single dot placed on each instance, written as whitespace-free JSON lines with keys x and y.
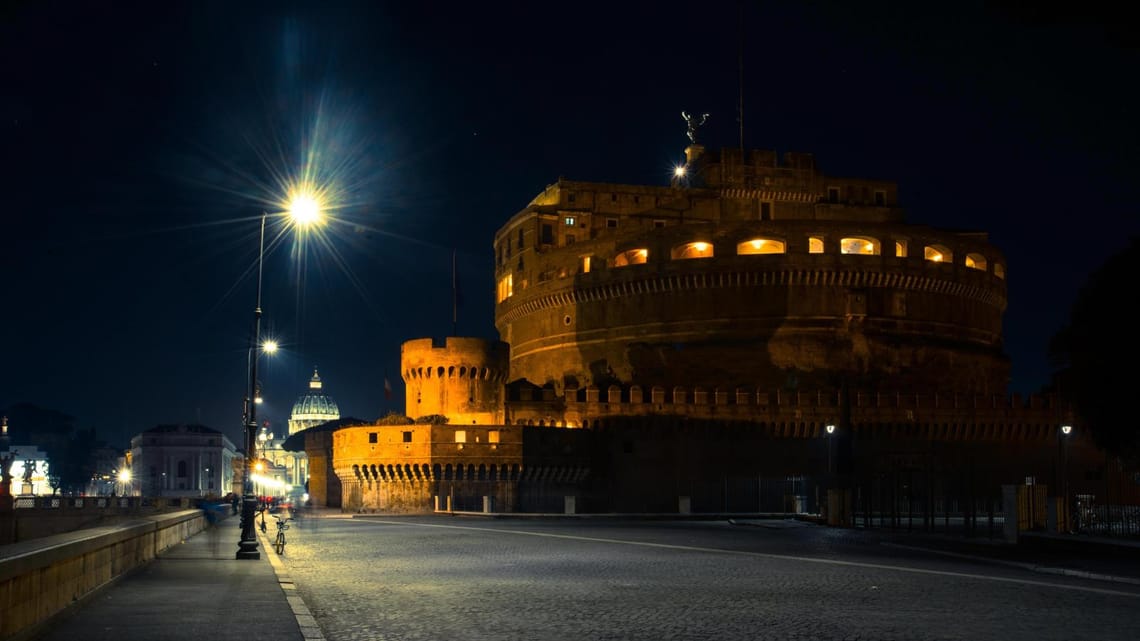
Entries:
{"x":247,"y":546}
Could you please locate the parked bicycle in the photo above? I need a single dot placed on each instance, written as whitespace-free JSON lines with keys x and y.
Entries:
{"x":279,"y":543}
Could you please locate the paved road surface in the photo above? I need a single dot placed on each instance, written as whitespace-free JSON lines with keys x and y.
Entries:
{"x":451,"y":578}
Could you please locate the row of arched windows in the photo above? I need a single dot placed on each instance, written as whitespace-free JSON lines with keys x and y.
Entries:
{"x":463,"y":371}
{"x":857,"y":245}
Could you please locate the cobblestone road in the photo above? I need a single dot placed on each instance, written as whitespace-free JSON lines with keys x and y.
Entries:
{"x":455,"y":579}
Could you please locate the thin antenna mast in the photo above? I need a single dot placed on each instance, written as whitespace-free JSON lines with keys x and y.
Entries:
{"x":740,"y":66}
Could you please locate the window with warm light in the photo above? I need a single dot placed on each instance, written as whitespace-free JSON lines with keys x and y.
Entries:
{"x":859,"y":245}
{"x":460,"y":436}
{"x":505,"y":289}
{"x":976,"y":261}
{"x":900,"y":248}
{"x":938,"y":254}
{"x":761,"y":246}
{"x":492,"y":436}
{"x":699,"y":249}
{"x":815,"y":245}
{"x":586,"y":264}
{"x":631,"y":257}
{"x":999,"y":270}
{"x":569,"y":220}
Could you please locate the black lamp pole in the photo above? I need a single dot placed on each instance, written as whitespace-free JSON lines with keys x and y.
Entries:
{"x":247,"y":545}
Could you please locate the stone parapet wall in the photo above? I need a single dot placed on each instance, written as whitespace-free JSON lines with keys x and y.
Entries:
{"x":41,"y":577}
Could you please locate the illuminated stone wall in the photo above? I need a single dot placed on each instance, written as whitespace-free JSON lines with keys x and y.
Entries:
{"x":462,"y":379}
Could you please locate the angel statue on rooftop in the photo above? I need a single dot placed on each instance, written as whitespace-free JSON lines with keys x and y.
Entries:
{"x":693,"y":124}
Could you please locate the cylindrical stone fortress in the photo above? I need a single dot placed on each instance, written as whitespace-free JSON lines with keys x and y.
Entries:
{"x":748,"y":275}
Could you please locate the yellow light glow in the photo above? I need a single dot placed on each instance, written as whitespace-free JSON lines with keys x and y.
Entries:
{"x":642,"y":253}
{"x":269,"y":346}
{"x":305,"y":203}
{"x":936,"y":257}
{"x":124,"y":476}
{"x":679,"y":171}
{"x":259,"y":466}
{"x":700,"y":246}
{"x":757,"y":244}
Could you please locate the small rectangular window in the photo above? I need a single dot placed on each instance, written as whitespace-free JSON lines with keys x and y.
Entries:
{"x":815,"y":245}
{"x":570,"y":239}
{"x":570,"y":197}
{"x":547,"y":234}
{"x":460,"y":436}
{"x":611,"y":223}
{"x":585,"y":264}
{"x":492,"y":436}
{"x":407,"y":437}
{"x":880,"y":198}
{"x":659,"y":223}
{"x":637,"y":200}
{"x":765,"y":211}
{"x":613,"y":198}
{"x":372,"y":436}
{"x":569,"y":220}
{"x":832,"y":194}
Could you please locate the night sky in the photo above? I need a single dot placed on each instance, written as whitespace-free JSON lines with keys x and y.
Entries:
{"x":141,"y":142}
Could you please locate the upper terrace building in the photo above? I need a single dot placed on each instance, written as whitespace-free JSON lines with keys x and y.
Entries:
{"x":751,"y":275}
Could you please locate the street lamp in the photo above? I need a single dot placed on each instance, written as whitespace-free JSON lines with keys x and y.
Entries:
{"x":124,"y":482}
{"x":305,"y":209}
{"x":830,"y":432}
{"x":1062,"y":436}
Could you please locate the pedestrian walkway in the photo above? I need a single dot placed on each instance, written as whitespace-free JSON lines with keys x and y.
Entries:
{"x":195,"y":590}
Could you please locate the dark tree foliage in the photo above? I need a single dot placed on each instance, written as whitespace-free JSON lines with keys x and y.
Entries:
{"x":432,"y":419}
{"x":395,"y":418}
{"x":1097,"y":352}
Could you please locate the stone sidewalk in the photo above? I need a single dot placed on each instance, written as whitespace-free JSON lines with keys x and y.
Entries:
{"x":195,"y":590}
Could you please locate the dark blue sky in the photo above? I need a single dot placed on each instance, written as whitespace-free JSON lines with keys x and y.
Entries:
{"x":141,"y":140}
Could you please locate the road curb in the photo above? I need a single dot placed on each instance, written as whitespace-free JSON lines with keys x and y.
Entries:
{"x":1032,"y":567}
{"x":305,"y":619}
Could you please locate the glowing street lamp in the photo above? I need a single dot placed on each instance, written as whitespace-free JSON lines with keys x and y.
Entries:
{"x":305,"y":208}
{"x":125,"y":482}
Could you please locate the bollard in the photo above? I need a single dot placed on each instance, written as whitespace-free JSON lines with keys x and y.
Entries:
{"x":684,"y":505}
{"x":488,"y":502}
{"x":570,"y":504}
{"x":449,"y":507}
{"x":436,"y":500}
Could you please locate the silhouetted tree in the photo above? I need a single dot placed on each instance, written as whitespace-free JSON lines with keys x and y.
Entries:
{"x":1097,"y":352}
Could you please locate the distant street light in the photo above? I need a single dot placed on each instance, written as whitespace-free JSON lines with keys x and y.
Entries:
{"x":830,"y":432}
{"x":1063,"y":436}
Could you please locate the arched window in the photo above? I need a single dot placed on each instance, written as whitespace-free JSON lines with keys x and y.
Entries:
{"x":761,"y":246}
{"x":698,"y":249}
{"x":631,"y":257}
{"x":999,"y":270}
{"x":976,"y":261}
{"x":859,"y":245}
{"x":938,"y":254}
{"x":815,"y":245}
{"x":900,"y":248}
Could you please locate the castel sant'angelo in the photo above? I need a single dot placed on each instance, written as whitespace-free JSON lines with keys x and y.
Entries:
{"x":753,"y":331}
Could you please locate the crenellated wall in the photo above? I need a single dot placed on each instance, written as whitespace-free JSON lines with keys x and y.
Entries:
{"x":462,"y":379}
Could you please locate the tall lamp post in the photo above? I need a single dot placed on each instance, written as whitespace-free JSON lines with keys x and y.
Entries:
{"x":1063,"y":481}
{"x":304,"y":209}
{"x":247,"y":545}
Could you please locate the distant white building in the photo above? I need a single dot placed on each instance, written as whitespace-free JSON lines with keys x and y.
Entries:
{"x":27,"y":465}
{"x":182,"y":460}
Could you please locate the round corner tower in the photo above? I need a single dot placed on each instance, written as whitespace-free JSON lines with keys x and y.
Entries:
{"x":463,"y":379}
